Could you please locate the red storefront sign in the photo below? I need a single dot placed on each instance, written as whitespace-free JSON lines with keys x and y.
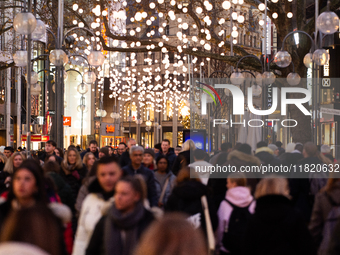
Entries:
{"x":36,"y":138}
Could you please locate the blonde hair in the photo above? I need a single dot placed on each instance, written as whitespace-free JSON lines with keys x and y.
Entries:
{"x":86,"y":157}
{"x":77,"y":165}
{"x":9,"y":167}
{"x":273,"y":185}
{"x":188,"y":145}
{"x":173,"y":234}
{"x":238,"y":178}
{"x":3,"y":158}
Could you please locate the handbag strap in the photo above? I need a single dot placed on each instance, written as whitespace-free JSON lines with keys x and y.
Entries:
{"x":164,"y":189}
{"x":209,"y":229}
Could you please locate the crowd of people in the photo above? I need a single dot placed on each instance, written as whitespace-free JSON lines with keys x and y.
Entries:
{"x":136,"y":201}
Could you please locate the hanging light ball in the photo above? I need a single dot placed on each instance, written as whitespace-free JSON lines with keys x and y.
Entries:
{"x":293,"y":79}
{"x":96,"y":58}
{"x":268,"y":78}
{"x":20,"y":58}
{"x":34,"y":77}
{"x":320,"y":57}
{"x":24,"y":23}
{"x":226,"y":5}
{"x":282,"y":59}
{"x":256,"y":90}
{"x":39,"y":31}
{"x":258,"y":79}
{"x":114,"y":115}
{"x":237,"y":78}
{"x":308,"y":60}
{"x":328,"y":22}
{"x":58,"y":57}
{"x":82,"y":88}
{"x":89,"y":77}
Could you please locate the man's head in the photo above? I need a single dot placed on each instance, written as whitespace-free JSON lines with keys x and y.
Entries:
{"x":121,"y":148}
{"x":93,"y":146}
{"x":136,"y":155}
{"x":200,"y":155}
{"x":131,"y":142}
{"x":158,"y":147}
{"x":8,"y":151}
{"x":165,"y":146}
{"x":278,"y":144}
{"x":274,"y":148}
{"x":309,"y":150}
{"x":261,"y":144}
{"x":50,"y":146}
{"x":299,"y":147}
{"x":108,"y":173}
{"x":226,"y":147}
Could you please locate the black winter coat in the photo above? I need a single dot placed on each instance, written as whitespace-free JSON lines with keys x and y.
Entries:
{"x":186,"y":198}
{"x":96,"y":154}
{"x":182,"y":160}
{"x":277,"y":228}
{"x":171,"y":156}
{"x":149,"y":178}
{"x":124,"y":159}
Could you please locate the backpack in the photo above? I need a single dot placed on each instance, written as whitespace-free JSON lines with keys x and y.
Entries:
{"x":329,"y":225}
{"x":233,"y":237}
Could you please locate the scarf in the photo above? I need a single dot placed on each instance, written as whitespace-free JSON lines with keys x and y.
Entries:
{"x":121,"y":231}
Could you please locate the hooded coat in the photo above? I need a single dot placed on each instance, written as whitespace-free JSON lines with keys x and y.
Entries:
{"x":239,"y":196}
{"x":322,"y":207}
{"x":168,"y":189}
{"x":267,"y":157}
{"x":277,"y":228}
{"x":96,"y":203}
{"x":186,"y":198}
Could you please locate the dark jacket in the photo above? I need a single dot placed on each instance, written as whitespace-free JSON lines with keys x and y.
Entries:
{"x":96,"y":154}
{"x":303,"y":190}
{"x":276,"y":228}
{"x":182,"y":160}
{"x":186,"y":198}
{"x":3,"y":176}
{"x":171,"y":156}
{"x":43,"y":156}
{"x":97,"y":241}
{"x":149,"y":179}
{"x":74,"y":182}
{"x":334,"y":245}
{"x":288,"y":158}
{"x":124,"y":159}
{"x":63,"y":189}
{"x":322,"y":207}
{"x":266,"y":156}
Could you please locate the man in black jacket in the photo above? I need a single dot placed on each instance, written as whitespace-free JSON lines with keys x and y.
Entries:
{"x":93,"y":147}
{"x":136,"y":167}
{"x":167,"y":152}
{"x":49,"y":150}
{"x":124,"y":159}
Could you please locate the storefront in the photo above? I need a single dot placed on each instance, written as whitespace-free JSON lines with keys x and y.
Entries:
{"x":110,"y":135}
{"x":36,"y":141}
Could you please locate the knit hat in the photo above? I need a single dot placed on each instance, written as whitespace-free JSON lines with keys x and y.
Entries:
{"x":150,"y":151}
{"x":273,"y":147}
{"x":245,"y":148}
{"x":290,"y":147}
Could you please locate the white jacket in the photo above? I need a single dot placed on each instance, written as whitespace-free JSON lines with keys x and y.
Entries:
{"x":93,"y":208}
{"x":239,"y":196}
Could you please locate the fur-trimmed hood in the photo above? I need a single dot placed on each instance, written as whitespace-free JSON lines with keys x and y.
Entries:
{"x":266,"y":149}
{"x":243,"y":157}
{"x":18,"y":248}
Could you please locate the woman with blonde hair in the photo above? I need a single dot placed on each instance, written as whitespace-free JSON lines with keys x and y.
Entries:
{"x":172,"y":235}
{"x":89,"y":160}
{"x":183,"y":158}
{"x":276,"y":227}
{"x":73,"y":170}
{"x":11,"y":165}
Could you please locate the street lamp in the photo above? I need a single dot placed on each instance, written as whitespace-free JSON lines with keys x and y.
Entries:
{"x":58,"y":57}
{"x":96,"y":58}
{"x":24,"y":23}
{"x":20,"y":58}
{"x":89,"y":77}
{"x":39,"y":31}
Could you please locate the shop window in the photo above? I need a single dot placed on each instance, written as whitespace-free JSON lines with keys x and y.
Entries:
{"x":168,"y":114}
